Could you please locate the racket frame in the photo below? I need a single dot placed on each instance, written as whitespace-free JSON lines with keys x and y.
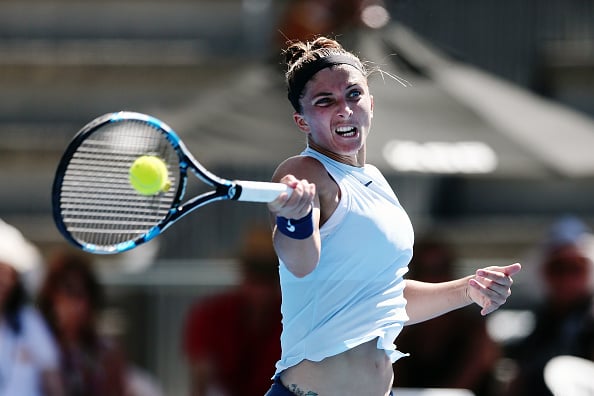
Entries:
{"x":224,"y":189}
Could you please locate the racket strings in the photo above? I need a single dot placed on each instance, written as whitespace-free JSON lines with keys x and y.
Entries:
{"x":97,"y":202}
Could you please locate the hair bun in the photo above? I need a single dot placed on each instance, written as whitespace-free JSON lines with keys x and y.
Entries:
{"x":295,"y":52}
{"x":300,"y":49}
{"x":325,"y":42}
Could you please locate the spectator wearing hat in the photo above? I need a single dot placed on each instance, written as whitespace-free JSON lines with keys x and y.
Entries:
{"x":28,"y":354}
{"x":564,"y":321}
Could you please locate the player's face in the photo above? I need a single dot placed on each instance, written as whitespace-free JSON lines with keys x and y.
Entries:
{"x":71,"y":305}
{"x":337,"y":109}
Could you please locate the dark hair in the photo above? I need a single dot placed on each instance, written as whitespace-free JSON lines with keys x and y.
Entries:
{"x":300,"y":56}
{"x":62,"y":265}
{"x":569,"y":258}
{"x":16,"y":300}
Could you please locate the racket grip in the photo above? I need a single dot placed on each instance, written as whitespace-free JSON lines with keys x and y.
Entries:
{"x":253,"y":191}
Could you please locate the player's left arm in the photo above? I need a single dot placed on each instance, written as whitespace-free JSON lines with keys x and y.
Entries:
{"x":489,"y":288}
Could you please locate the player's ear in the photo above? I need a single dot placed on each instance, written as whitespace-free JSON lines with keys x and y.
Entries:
{"x":301,"y":123}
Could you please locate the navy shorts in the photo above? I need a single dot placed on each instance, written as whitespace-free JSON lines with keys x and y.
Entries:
{"x":278,"y":389}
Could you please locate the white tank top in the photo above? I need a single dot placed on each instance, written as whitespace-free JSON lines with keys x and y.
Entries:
{"x":355,"y":294}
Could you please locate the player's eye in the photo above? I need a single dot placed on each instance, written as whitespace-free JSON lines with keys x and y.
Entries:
{"x":354,"y":94}
{"x":324,"y":101}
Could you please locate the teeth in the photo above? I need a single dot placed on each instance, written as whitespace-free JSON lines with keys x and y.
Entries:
{"x":346,"y":131}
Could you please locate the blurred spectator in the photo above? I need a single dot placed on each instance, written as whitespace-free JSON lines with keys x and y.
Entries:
{"x":306,"y":19}
{"x":71,"y":299}
{"x":450,"y":351}
{"x":565,"y":319}
{"x":28,"y":355}
{"x":231,"y":340}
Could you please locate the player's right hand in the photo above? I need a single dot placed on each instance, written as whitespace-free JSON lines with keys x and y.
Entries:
{"x":299,"y":203}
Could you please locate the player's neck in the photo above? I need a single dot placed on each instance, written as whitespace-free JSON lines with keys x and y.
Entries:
{"x":357,"y":160}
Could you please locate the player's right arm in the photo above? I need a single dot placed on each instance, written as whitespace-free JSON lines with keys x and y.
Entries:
{"x":300,"y":256}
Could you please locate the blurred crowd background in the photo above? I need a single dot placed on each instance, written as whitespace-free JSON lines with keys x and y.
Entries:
{"x":488,"y":143}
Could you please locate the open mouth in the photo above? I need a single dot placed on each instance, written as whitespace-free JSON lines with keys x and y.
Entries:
{"x":346,"y":131}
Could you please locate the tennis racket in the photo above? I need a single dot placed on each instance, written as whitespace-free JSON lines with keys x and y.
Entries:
{"x":96,"y":208}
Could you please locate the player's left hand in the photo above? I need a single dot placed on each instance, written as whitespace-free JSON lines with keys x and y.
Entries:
{"x":491,"y":286}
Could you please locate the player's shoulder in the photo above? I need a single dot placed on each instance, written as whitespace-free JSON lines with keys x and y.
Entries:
{"x":302,"y":167}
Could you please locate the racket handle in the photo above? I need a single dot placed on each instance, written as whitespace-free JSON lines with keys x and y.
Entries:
{"x":253,"y":191}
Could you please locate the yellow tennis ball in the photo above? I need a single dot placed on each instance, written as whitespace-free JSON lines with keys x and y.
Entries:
{"x":149,"y":176}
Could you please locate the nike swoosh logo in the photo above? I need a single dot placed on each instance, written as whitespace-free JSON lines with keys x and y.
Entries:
{"x":290,"y":227}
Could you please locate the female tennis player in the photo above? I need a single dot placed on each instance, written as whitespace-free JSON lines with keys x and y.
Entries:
{"x":344,"y":242}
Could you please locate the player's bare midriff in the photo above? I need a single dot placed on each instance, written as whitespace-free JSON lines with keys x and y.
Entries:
{"x":363,"y":370}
